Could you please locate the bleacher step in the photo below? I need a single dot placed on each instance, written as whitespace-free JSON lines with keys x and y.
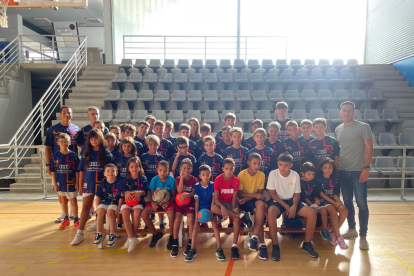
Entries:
{"x":90,"y":89}
{"x":92,"y":83}
{"x":88,"y":95}
{"x":377,"y":67}
{"x":398,"y":95}
{"x":83,"y":108}
{"x":108,"y":77}
{"x":102,"y":67}
{"x":385,"y":78}
{"x":99,"y":73}
{"x":398,"y":89}
{"x":88,"y":102}
{"x":390,"y":83}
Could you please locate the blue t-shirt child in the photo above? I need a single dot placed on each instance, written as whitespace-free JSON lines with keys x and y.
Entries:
{"x":65,"y":166}
{"x":204,"y":195}
{"x":169,"y":184}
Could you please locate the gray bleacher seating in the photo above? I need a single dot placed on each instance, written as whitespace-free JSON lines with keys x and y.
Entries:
{"x":299,"y":114}
{"x":211,"y":96}
{"x":224,"y":113}
{"x":376,"y":95}
{"x":211,"y":64}
{"x":325,"y":95}
{"x":387,"y":139}
{"x":150,"y":78}
{"x":316,"y":113}
{"x":218,"y":71}
{"x":406,"y":139}
{"x":309,"y":95}
{"x":122,"y":116}
{"x":333,"y":78}
{"x":409,"y":164}
{"x":302,"y":78}
{"x":140,"y":63}
{"x":196,"y":78}
{"x":106,"y":116}
{"x":178,"y":96}
{"x":372,"y":116}
{"x":292,"y":95}
{"x":173,"y":71}
{"x":139,"y":115}
{"x":348,"y":77}
{"x":183,"y":64}
{"x":194,"y":96}
{"x":359,"y":95}
{"x":281,"y":64}
{"x":166,"y":78}
{"x":338,"y":64}
{"x":130,"y":95}
{"x":324,"y":64}
{"x":227,"y":95}
{"x":342,"y":95}
{"x":159,"y":115}
{"x":146,"y":95}
{"x":295,"y":63}
{"x":113,"y":95}
{"x":276,"y":95}
{"x":226,"y":78}
{"x":211,"y":116}
{"x":333,"y":116}
{"x":302,"y":70}
{"x":154,"y":64}
{"x":197,"y":64}
{"x":253,"y":64}
{"x":331,"y":70}
{"x":241,"y":78}
{"x":246,"y":116}
{"x":225,"y":64}
{"x":120,"y":78}
{"x":256,"y":78}
{"x":364,"y":78}
{"x":287,"y":78}
{"x":135,"y":78}
{"x":267,"y":64}
{"x":126,"y":63}
{"x":239,"y":64}
{"x":385,"y":166}
{"x":391,"y":116}
{"x":271,"y":78}
{"x":162,"y":96}
{"x":274,"y":71}
{"x":168,"y":64}
{"x":176,"y":116}
{"x":358,"y":116}
{"x":289,"y":70}
{"x":243,"y":96}
{"x":210,"y":78}
{"x":264,"y":116}
{"x":310,"y":64}
{"x":247,"y":70}
{"x":345,"y":70}
{"x":180,"y":78}
{"x":193,"y":114}
{"x":352,"y":63}
{"x":260,"y":96}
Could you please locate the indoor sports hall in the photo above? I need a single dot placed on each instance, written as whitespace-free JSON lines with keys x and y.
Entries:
{"x":109,"y":109}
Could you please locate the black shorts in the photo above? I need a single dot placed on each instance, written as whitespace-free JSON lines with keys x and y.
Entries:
{"x":288,"y":202}
{"x":250,"y":205}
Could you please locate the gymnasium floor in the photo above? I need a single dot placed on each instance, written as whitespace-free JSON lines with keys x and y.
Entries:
{"x":31,"y":244}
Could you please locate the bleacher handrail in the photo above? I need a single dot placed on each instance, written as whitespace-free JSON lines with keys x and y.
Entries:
{"x":10,"y":56}
{"x":35,"y":122}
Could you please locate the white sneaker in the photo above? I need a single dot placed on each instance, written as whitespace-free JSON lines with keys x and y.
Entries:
{"x":78,"y":239}
{"x":350,"y":233}
{"x":126,"y":244}
{"x":91,"y":228}
{"x":132,"y":243}
{"x":60,"y":219}
{"x":363,"y":244}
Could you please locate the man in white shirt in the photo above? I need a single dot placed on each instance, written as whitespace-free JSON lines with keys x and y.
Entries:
{"x":284,"y":190}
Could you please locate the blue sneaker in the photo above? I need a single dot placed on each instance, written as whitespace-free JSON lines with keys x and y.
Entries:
{"x":263,"y":253}
{"x":253,"y":244}
{"x":325,"y":235}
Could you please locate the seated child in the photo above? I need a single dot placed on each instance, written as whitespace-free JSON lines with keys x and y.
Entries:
{"x":211,"y":158}
{"x":236,"y":151}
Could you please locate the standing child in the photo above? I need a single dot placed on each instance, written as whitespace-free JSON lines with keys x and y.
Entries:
{"x":177,"y":158}
{"x":63,"y":166}
{"x":211,"y":158}
{"x":252,"y":200}
{"x":184,"y":184}
{"x":281,"y":111}
{"x":328,"y":188}
{"x":205,"y":130}
{"x":142,"y":131}
{"x":306,"y":128}
{"x":151,"y":120}
{"x":323,"y":146}
{"x":165,"y":181}
{"x":128,"y":150}
{"x":266,"y":153}
{"x":284,"y":189}
{"x":165,"y":148}
{"x":225,"y":140}
{"x":112,"y":144}
{"x":135,"y":184}
{"x":130,"y":131}
{"x":91,"y":168}
{"x":107,"y":202}
{"x":93,"y":115}
{"x":169,"y":127}
{"x":274,"y":143}
{"x":250,"y":143}
{"x":115,"y":130}
{"x":195,"y":134}
{"x":310,"y":196}
{"x":203,"y":194}
{"x":184,"y":131}
{"x":226,"y":187}
{"x":294,"y":146}
{"x":229,"y":120}
{"x":236,"y":151}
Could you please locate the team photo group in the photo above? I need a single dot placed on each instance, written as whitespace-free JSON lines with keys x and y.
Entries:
{"x":129,"y":174}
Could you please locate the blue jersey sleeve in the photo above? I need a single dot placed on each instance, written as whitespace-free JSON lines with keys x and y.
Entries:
{"x":49,"y":138}
{"x":99,"y":190}
{"x":144,"y":184}
{"x":172,"y":161}
{"x":109,"y":158}
{"x":52,"y":164}
{"x":336,"y":148}
{"x":81,"y":166}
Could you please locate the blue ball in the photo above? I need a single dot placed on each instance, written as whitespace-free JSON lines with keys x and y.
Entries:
{"x":204,"y":215}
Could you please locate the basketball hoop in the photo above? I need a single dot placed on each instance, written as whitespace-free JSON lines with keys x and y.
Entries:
{"x":3,"y":13}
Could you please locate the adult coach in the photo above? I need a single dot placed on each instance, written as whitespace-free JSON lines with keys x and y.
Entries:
{"x":51,"y":142}
{"x":356,"y":148}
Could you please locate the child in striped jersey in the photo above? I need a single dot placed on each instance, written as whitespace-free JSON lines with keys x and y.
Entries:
{"x":169,"y":127}
{"x":142,"y":131}
{"x":266,"y":153}
{"x":225,"y":142}
{"x":205,"y":130}
{"x":236,"y":151}
{"x":250,"y":143}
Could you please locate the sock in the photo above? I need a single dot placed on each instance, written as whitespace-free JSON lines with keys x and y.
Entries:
{"x":67,"y":217}
{"x":262,"y":244}
{"x":80,"y":232}
{"x":234,"y":245}
{"x":305,"y":243}
{"x":61,"y":209}
{"x":70,"y":211}
{"x":100,"y":233}
{"x":276,"y":246}
{"x":189,"y":242}
{"x":75,"y":219}
{"x":253,"y":236}
{"x":175,"y":242}
{"x":119,"y":225}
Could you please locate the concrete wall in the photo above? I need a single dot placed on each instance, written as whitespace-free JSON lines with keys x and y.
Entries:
{"x":96,"y":37}
{"x":15,"y":28}
{"x":15,"y":107}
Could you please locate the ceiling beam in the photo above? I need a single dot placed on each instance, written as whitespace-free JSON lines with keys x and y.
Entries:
{"x":49,"y":4}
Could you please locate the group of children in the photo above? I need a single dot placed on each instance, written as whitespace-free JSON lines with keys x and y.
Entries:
{"x":228,"y":175}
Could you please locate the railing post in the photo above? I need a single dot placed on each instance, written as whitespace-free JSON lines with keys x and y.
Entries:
{"x":76,"y":67}
{"x":42,"y":171}
{"x":53,"y":51}
{"x":42,"y":128}
{"x":61,"y":90}
{"x":41,"y":54}
{"x":165,"y":47}
{"x":403,"y":172}
{"x":245,"y":49}
{"x":205,"y":48}
{"x":16,"y":165}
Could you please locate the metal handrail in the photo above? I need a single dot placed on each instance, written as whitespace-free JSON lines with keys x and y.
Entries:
{"x":35,"y":123}
{"x":10,"y":56}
